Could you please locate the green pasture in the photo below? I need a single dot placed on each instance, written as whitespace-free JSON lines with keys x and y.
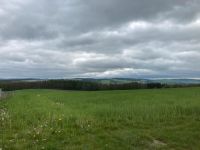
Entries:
{"x":103,"y":120}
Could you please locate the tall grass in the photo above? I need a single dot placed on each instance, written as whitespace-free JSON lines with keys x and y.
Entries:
{"x":132,"y":119}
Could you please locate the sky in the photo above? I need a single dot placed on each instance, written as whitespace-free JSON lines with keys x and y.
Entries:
{"x":100,"y":39}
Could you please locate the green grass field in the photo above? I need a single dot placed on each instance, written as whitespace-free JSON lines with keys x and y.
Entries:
{"x":132,"y":119}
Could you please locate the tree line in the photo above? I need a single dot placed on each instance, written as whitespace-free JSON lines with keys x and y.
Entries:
{"x":82,"y":85}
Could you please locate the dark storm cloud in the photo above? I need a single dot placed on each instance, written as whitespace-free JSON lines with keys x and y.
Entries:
{"x":129,"y":38}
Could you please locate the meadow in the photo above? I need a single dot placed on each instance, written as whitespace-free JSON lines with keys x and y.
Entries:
{"x":97,"y":120}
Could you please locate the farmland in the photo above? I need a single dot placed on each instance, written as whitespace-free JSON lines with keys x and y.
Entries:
{"x":128,"y":119}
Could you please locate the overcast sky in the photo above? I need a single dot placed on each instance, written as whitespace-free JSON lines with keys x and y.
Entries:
{"x":99,"y":38}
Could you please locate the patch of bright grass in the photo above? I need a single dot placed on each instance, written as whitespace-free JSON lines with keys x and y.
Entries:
{"x":132,"y":119}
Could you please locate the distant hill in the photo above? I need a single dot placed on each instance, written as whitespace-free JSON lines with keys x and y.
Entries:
{"x":178,"y":81}
{"x":115,"y":80}
{"x":129,"y":80}
{"x":19,"y":80}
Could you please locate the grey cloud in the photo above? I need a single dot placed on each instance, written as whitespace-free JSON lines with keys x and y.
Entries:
{"x":70,"y":38}
{"x":49,"y":18}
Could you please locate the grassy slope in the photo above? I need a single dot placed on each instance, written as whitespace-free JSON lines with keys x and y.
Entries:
{"x":139,"y":119}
